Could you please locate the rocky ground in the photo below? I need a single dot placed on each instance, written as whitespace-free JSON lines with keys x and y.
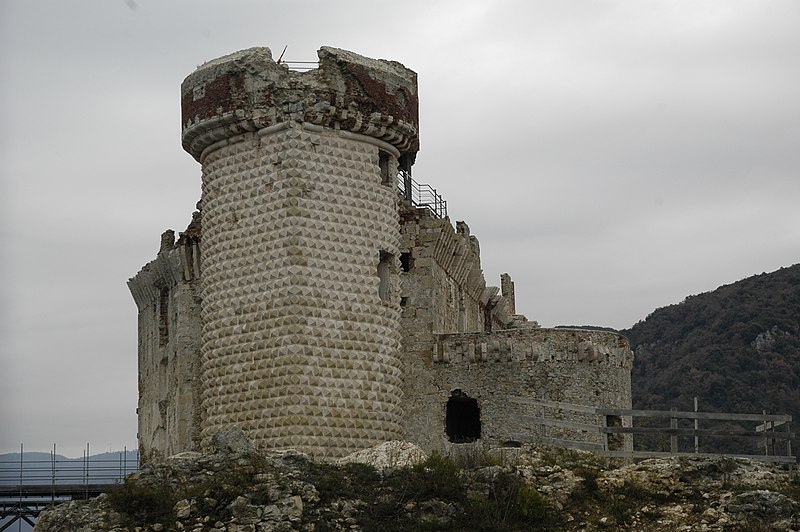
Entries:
{"x":397,"y":487}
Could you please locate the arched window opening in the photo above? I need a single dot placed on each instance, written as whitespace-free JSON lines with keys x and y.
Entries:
{"x":462,"y":418}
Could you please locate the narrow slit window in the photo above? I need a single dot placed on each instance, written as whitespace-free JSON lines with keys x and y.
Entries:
{"x":406,"y":262}
{"x":163,"y":317}
{"x":384,"y":274}
{"x":383,"y":163}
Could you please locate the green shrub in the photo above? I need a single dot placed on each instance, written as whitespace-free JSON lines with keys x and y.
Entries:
{"x":348,"y":481}
{"x":141,"y":504}
{"x":511,"y":506}
{"x":793,"y":488}
{"x":438,"y":477}
{"x":589,"y":476}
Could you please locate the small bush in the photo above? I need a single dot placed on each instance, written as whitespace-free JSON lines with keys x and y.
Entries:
{"x":589,"y":476}
{"x":571,"y":459}
{"x":438,"y":477}
{"x":141,"y":504}
{"x":511,"y":506}
{"x":348,"y":481}
{"x":474,"y":457}
{"x":793,"y":488}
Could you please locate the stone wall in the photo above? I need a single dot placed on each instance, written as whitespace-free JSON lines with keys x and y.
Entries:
{"x":443,"y":290}
{"x":166,"y":292}
{"x":566,"y":365}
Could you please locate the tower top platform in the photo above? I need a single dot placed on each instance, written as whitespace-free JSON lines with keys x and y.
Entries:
{"x":248,"y":90}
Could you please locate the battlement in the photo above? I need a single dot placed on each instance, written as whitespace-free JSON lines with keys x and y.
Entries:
{"x":248,"y":91}
{"x":176,"y":262}
{"x":536,"y":345}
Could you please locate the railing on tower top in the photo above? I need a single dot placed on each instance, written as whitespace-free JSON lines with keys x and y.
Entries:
{"x":421,"y":195}
{"x":299,"y":66}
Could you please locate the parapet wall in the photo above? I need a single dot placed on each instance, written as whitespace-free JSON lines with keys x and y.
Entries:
{"x":248,"y":91}
{"x":603,"y":349}
{"x":444,"y":287}
{"x":580,"y":367}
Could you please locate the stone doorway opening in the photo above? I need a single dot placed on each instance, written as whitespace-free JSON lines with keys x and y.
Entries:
{"x":463,"y":418}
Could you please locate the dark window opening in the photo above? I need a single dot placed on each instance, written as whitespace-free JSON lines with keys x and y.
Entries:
{"x":487,"y":317}
{"x":384,"y":270}
{"x":462,"y":314}
{"x":405,"y":162}
{"x":406,"y":262}
{"x":404,"y":165}
{"x":463,"y":418}
{"x":163,"y":317}
{"x":383,"y":163}
{"x":403,"y":301}
{"x":511,"y":443}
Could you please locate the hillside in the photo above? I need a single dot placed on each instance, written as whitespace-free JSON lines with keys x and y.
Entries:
{"x":395,"y":487}
{"x":737,"y":349}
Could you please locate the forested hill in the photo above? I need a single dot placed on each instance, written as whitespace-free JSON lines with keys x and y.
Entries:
{"x":737,"y":349}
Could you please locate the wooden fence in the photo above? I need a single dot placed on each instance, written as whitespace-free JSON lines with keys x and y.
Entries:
{"x":611,"y":424}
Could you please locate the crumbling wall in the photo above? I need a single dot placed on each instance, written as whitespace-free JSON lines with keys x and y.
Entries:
{"x":443,"y":285}
{"x":443,"y":290}
{"x":580,"y":367}
{"x":166,"y":292}
{"x":248,"y":91}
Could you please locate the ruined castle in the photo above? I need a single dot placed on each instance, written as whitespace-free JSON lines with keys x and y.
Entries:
{"x":320,"y":298}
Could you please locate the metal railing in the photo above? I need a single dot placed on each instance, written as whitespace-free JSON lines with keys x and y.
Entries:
{"x":610,"y":426}
{"x":300,"y":66}
{"x":57,"y":470}
{"x":421,"y":195}
{"x":29,"y":485}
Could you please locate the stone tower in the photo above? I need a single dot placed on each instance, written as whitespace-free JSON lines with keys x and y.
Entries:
{"x":300,"y":234}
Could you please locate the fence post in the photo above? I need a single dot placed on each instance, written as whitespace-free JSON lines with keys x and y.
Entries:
{"x":21,"y":466}
{"x":53,"y":476}
{"x":673,"y":438}
{"x":696,"y":425}
{"x":766,"y":438}
{"x":86,"y":472}
{"x":605,"y":434}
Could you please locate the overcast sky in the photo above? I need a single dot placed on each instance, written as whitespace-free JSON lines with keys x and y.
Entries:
{"x":612,"y":156}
